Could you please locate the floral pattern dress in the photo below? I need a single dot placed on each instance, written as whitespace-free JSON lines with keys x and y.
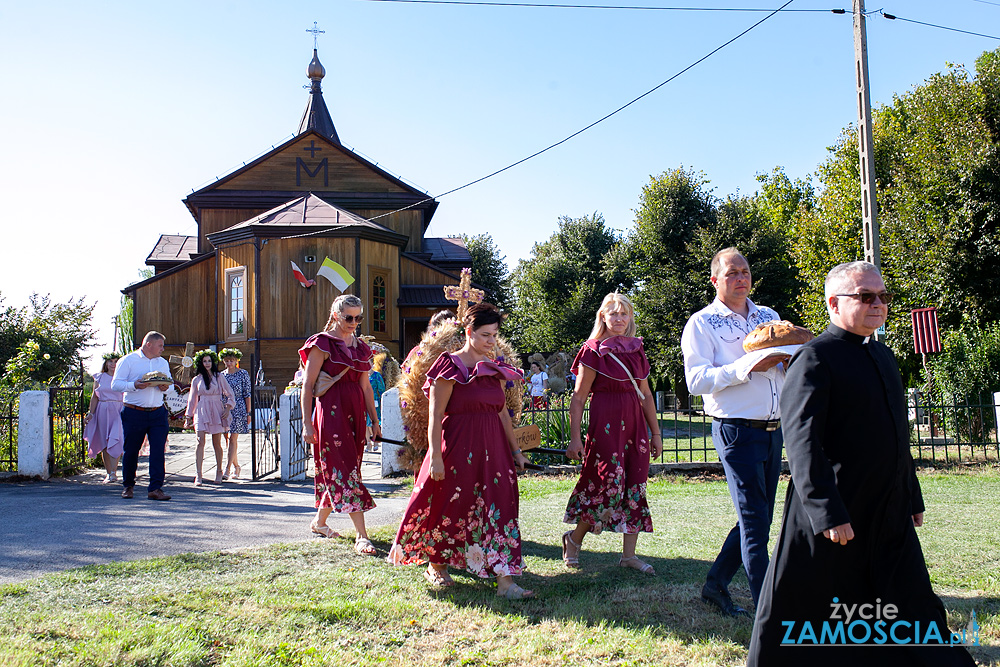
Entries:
{"x":104,"y":430}
{"x":339,"y":421}
{"x":239,"y":382}
{"x":611,"y":492}
{"x":469,"y":519}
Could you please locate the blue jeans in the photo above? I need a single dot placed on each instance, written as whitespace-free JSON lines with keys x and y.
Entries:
{"x":138,"y":425}
{"x":751,"y":458}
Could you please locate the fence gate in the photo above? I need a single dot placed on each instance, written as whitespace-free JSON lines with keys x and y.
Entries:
{"x":264,"y":431}
{"x":8,"y":432}
{"x":66,"y":410}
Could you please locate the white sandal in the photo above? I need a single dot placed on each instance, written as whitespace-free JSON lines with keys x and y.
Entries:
{"x":364,"y":547}
{"x":634,"y":563}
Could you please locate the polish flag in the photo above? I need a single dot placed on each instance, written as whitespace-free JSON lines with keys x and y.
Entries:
{"x":301,"y":277}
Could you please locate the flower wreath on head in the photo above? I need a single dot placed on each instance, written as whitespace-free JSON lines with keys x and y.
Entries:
{"x":108,"y":356}
{"x":201,"y":354}
{"x":230,"y":352}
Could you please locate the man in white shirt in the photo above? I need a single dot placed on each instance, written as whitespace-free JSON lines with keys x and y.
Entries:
{"x":144,"y":414}
{"x":746,"y":427}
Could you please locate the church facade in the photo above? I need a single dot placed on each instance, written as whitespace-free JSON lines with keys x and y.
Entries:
{"x":310,"y":198}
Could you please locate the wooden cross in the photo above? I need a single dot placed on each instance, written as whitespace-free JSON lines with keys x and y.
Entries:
{"x":464,"y":293}
{"x":186,"y":371}
{"x":316,"y":32}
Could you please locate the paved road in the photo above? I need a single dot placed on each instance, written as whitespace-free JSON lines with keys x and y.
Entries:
{"x":55,"y":525}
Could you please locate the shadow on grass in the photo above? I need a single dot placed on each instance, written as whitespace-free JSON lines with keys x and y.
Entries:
{"x":665,"y":605}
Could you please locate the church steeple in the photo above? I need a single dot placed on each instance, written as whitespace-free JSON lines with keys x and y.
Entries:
{"x":317,"y":116}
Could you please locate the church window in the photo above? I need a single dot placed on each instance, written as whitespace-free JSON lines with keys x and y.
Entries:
{"x":379,"y":307}
{"x":236,"y":298}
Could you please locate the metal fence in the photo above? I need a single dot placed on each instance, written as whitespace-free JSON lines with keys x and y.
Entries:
{"x":953,"y":431}
{"x":298,"y":452}
{"x":8,"y":432}
{"x":66,"y":409}
{"x":686,"y":431}
{"x":264,"y":431}
{"x":940,"y":432}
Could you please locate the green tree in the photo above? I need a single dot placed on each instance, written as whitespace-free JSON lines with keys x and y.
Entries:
{"x":489,"y":269}
{"x":937,"y":168}
{"x":559,"y":288}
{"x":58,"y":334}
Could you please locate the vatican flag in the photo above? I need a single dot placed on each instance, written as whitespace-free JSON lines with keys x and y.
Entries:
{"x":336,"y":274}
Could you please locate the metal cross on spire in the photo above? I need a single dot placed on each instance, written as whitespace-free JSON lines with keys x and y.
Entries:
{"x":316,"y":32}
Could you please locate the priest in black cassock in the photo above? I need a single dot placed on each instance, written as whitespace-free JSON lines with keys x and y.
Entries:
{"x":847,"y":583}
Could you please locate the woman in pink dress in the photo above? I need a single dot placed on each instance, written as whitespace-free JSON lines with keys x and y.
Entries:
{"x":209,"y":401}
{"x":463,"y":511}
{"x":103,"y":431}
{"x":337,"y":427}
{"x":611,"y":492}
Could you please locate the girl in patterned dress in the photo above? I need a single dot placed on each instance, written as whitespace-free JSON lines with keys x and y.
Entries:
{"x":611,"y":492}
{"x":464,"y":507}
{"x":239,"y":382}
{"x":337,"y":427}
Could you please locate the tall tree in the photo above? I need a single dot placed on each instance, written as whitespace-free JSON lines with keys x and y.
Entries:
{"x":559,"y":288}
{"x":489,"y":269}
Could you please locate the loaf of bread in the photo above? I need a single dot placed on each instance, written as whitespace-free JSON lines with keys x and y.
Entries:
{"x":776,"y":333}
{"x":157,"y":377}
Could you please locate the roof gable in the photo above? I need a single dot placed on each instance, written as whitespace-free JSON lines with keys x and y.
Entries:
{"x":311,"y":162}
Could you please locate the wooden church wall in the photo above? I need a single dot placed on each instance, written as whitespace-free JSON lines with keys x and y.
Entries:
{"x":216,"y":219}
{"x":311,"y":164}
{"x":179,"y":305}
{"x":379,"y":259}
{"x":288,"y":310}
{"x":409,"y":223}
{"x":232,"y":257}
{"x":415,"y":273}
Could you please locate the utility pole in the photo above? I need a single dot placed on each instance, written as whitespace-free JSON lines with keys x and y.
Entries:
{"x":866,"y":143}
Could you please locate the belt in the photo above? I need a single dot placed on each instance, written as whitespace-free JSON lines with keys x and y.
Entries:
{"x":139,"y":407}
{"x":766,"y":424}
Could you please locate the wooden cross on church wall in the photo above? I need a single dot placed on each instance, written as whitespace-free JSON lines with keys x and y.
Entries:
{"x":464,"y":293}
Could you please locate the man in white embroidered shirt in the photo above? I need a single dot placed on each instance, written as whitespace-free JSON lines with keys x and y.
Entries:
{"x":144,"y":415}
{"x":746,"y":427}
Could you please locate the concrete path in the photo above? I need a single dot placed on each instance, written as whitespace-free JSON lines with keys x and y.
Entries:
{"x":65,"y":523}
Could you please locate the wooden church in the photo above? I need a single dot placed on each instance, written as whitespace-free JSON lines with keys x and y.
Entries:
{"x":310,"y":198}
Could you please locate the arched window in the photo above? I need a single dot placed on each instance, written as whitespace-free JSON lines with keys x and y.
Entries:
{"x":379,"y":307}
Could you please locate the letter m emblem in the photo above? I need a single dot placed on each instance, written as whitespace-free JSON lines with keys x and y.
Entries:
{"x":300,"y":166}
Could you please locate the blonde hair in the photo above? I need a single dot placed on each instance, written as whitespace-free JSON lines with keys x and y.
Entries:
{"x":611,"y":303}
{"x":341,"y":302}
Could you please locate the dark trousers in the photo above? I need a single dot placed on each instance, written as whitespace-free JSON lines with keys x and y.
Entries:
{"x":751,"y":458}
{"x":138,"y":425}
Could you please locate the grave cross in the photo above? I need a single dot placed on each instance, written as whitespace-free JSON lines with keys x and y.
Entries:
{"x":464,"y":293}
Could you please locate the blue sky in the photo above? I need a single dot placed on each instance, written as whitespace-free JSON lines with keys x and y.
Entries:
{"x":113,"y":112}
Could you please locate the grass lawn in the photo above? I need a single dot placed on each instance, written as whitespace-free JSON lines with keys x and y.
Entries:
{"x":316,"y":603}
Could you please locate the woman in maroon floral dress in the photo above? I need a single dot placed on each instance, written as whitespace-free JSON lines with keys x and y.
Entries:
{"x":337,"y":428}
{"x":463,"y":511}
{"x":611,"y":492}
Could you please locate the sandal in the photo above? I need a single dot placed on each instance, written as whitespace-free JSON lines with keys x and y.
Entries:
{"x":636,"y":564}
{"x":364,"y":547}
{"x":198,"y":480}
{"x":437,"y":578}
{"x":515,"y":592}
{"x":236,"y":470}
{"x":567,"y":540}
{"x":323,"y":531}
{"x":218,"y":477}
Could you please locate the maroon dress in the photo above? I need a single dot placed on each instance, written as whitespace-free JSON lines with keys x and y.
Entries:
{"x":468,"y":519}
{"x":611,"y":492}
{"x":338,"y":419}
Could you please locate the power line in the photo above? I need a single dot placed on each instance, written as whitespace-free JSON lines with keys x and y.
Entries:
{"x":580,"y":131}
{"x":893,"y":17}
{"x":568,"y":6}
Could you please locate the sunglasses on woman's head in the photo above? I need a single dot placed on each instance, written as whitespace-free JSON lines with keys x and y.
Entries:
{"x":868,"y":298}
{"x":350,"y":319}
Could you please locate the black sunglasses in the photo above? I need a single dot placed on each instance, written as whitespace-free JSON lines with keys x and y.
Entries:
{"x":350,"y":319}
{"x":868,"y":298}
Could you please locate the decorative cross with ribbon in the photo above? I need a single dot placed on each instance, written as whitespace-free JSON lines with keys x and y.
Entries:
{"x":184,"y":374}
{"x":464,"y":293}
